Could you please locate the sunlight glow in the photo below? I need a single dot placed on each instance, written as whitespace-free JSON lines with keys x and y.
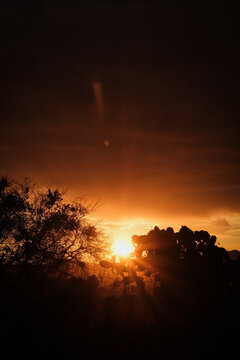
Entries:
{"x":122,"y":247}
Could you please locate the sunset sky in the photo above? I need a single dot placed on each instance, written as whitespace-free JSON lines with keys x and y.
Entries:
{"x":133,"y":105}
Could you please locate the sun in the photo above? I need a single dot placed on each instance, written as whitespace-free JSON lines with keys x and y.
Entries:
{"x":122,"y":247}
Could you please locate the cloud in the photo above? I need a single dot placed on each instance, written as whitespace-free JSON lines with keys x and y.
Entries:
{"x":148,"y":131}
{"x":116,"y":226}
{"x":221,"y":222}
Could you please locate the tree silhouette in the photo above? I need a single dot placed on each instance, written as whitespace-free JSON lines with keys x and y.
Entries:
{"x":156,"y":242}
{"x":187,"y":261}
{"x":41,"y":230}
{"x":182,"y":244}
{"x":186,"y":295}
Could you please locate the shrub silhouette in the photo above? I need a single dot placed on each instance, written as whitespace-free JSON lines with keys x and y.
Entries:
{"x":191,"y":312}
{"x":41,"y":231}
{"x":185,"y":242}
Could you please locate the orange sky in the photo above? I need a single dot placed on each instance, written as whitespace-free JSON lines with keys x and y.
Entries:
{"x":131,"y":106}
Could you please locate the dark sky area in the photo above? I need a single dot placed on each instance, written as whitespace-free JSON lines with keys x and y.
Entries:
{"x":133,"y":104}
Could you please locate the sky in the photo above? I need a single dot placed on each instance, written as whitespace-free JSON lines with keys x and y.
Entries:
{"x":133,"y":106}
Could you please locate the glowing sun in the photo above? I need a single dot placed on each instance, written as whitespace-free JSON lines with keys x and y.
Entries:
{"x":122,"y":247}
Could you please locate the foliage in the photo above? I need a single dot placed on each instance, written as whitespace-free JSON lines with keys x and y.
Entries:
{"x":184,"y":244}
{"x":191,"y":312}
{"x":39,"y":229}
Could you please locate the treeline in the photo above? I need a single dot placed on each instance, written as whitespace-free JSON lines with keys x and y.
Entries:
{"x":47,"y":310}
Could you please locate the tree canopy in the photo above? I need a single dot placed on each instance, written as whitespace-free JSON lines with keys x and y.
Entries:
{"x":183,"y":244}
{"x":41,"y":230}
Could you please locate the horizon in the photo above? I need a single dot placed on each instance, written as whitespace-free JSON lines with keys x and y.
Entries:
{"x":133,"y":106}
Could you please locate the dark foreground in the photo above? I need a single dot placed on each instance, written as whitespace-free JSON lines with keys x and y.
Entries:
{"x":44,"y":317}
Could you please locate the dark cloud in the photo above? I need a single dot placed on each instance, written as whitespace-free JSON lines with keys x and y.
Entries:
{"x":168,"y":76}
